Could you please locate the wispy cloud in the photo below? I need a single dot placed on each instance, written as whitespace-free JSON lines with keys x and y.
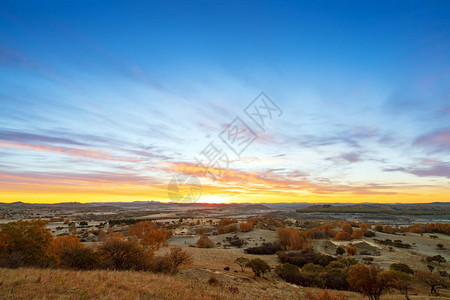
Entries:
{"x":435,"y":169}
{"x":438,"y":140}
{"x":16,"y":136}
{"x":348,"y":157}
{"x":92,"y":154}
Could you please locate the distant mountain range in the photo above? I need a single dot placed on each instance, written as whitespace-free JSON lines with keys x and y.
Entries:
{"x":135,"y":205}
{"x":409,"y":209}
{"x":302,"y":207}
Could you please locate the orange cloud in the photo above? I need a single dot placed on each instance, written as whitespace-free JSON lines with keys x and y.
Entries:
{"x":232,"y":176}
{"x":70,"y":151}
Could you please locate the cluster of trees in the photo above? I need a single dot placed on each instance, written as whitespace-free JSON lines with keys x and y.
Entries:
{"x":348,"y":234}
{"x":231,"y":225}
{"x":301,"y":258}
{"x":320,"y":232}
{"x":395,"y":243}
{"x":427,"y":228}
{"x":227,"y":226}
{"x":265,"y":249}
{"x":308,"y":268}
{"x":415,"y":228}
{"x":258,"y":266}
{"x":125,"y":221}
{"x":292,"y":239}
{"x":246,"y":226}
{"x":205,"y":242}
{"x":30,"y":243}
{"x":334,"y":275}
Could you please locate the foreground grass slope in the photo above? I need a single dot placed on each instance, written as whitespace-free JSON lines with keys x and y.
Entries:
{"x":66,"y":284}
{"x":29,"y":283}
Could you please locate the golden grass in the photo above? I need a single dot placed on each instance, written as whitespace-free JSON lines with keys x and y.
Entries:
{"x":65,"y":284}
{"x":27,"y":283}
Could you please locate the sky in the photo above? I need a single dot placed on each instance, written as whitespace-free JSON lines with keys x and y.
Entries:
{"x":259,"y":101}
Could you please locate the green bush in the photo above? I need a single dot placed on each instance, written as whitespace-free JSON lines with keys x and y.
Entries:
{"x":402,"y":268}
{"x":340,"y":251}
{"x":258,"y":266}
{"x":289,"y":273}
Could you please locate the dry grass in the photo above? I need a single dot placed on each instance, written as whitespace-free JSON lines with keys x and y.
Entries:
{"x":64,"y":284}
{"x":27,"y":283}
{"x":219,"y":258}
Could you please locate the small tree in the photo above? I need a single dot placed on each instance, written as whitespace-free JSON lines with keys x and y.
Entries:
{"x":347,"y":228}
{"x":402,"y":282}
{"x":149,"y":235}
{"x":246,"y":227}
{"x":80,"y":258}
{"x":401,"y":267}
{"x":62,"y":244}
{"x":432,"y":280}
{"x":378,"y":227}
{"x":292,"y":239}
{"x":241,"y":261}
{"x":438,"y":258}
{"x":371,"y":281}
{"x":440,"y":246}
{"x":343,"y":236}
{"x":340,"y":251}
{"x":352,"y":250}
{"x":357,"y":234}
{"x":258,"y":266}
{"x":27,"y":241}
{"x":288,"y":273}
{"x":431,"y":268}
{"x":123,"y":254}
{"x":178,"y":257}
{"x":205,"y":242}
{"x":349,"y":261}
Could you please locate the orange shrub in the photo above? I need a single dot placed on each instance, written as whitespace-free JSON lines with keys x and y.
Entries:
{"x":389,"y":229}
{"x":292,"y":239}
{"x":227,"y":229}
{"x":371,"y":281}
{"x":325,"y":295}
{"x":205,"y":242}
{"x":246,"y":227}
{"x":343,"y":236}
{"x":224,"y":226}
{"x":347,"y":228}
{"x":225,"y":222}
{"x":64,"y":243}
{"x":320,"y":232}
{"x":352,"y":250}
{"x":364,"y":226}
{"x":148,"y":234}
{"x":357,"y":234}
{"x":27,"y":241}
{"x":429,"y":228}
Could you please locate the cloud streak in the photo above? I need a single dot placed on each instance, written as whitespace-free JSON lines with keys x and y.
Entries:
{"x":75,"y":152}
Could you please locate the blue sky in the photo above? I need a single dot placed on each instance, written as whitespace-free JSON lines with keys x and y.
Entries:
{"x":108,"y":101}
